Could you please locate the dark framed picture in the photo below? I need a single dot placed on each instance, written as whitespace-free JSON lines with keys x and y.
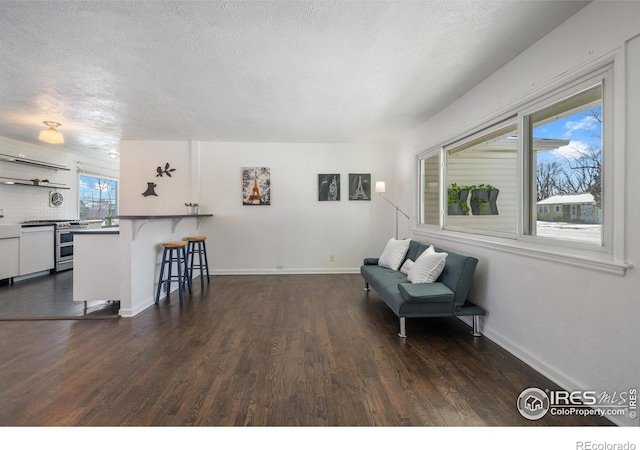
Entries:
{"x":359,"y":186}
{"x":256,"y":186}
{"x":329,"y":187}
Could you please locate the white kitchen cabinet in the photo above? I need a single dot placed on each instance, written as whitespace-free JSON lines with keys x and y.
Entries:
{"x":10,"y":251}
{"x":37,"y":249}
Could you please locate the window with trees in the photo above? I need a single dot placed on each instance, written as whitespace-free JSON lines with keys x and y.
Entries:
{"x":537,"y":176}
{"x":568,"y":177}
{"x":97,"y":197}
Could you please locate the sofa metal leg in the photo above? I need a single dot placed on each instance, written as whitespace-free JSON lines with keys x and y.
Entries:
{"x":366,"y":286}
{"x":403,"y":328}
{"x":476,"y":326}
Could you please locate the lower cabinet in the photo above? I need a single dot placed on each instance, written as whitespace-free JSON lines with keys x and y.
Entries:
{"x":36,"y":249}
{"x":10,"y":251}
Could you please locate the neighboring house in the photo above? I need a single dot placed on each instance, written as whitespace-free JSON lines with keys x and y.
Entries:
{"x":580,"y":208}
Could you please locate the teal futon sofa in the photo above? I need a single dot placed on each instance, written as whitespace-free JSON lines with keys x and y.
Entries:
{"x":409,"y":295}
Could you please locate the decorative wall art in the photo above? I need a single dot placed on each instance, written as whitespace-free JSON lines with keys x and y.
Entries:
{"x":359,"y":186}
{"x":160,"y":172}
{"x":256,"y":186}
{"x":151,"y":190}
{"x":166,"y":171}
{"x":329,"y":187}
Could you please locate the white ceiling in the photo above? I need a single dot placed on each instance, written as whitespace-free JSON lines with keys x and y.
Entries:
{"x":262,"y":71}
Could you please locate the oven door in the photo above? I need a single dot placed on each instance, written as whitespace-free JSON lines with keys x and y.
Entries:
{"x":64,"y":237}
{"x":64,"y":250}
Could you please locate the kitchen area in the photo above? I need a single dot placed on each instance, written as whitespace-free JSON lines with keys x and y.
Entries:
{"x":41,"y":206}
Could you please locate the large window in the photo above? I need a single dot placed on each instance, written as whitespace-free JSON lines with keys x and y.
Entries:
{"x":97,"y":198}
{"x":536,"y":176}
{"x":568,"y":172}
{"x":482,"y":180}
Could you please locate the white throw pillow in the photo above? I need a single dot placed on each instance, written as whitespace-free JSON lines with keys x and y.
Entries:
{"x":427,"y":267}
{"x":393,"y":253}
{"x":406,"y":267}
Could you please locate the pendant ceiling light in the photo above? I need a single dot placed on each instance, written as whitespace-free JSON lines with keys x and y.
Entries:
{"x":51,"y":135}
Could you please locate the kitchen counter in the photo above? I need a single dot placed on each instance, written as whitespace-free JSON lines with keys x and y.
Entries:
{"x":109,"y":230}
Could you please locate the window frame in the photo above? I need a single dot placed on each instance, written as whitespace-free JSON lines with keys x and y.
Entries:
{"x":479,"y":134}
{"x":101,"y":177}
{"x":607,"y":257}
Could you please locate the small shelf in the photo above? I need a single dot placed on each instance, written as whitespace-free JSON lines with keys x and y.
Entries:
{"x":18,"y":182}
{"x":31,"y":162}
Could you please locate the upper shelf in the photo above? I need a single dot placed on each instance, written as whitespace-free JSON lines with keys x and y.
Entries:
{"x":32,"y":162}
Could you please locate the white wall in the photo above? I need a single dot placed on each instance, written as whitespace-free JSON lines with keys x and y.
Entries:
{"x":22,"y":203}
{"x":297,"y":233}
{"x":579,"y":327}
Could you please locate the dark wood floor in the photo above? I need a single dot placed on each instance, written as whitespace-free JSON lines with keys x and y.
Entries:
{"x":48,"y":297}
{"x":308,"y":350}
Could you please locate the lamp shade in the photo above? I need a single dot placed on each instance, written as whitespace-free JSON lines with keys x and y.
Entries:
{"x":380,"y":186}
{"x":51,"y":135}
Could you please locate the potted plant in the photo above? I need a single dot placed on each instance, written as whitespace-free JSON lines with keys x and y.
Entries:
{"x":192,"y":208}
{"x":108,"y":221}
{"x":483,"y":200}
{"x":457,"y":200}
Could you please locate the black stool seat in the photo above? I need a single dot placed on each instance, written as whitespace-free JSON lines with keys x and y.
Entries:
{"x":174,"y":253}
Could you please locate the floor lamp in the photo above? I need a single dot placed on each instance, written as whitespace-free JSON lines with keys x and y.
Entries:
{"x":380,"y":188}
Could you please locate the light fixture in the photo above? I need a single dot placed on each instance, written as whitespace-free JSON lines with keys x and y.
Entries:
{"x":380,"y":188}
{"x":51,"y":135}
{"x":113,"y":154}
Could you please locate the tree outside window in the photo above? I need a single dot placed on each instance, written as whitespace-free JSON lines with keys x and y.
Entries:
{"x":98,"y":197}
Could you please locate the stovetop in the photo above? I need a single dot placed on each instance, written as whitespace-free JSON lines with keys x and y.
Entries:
{"x":60,"y":223}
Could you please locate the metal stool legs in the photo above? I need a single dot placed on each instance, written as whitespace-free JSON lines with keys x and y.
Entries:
{"x":174,"y":253}
{"x":197,"y":246}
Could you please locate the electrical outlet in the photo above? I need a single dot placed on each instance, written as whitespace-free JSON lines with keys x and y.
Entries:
{"x":279,"y":267}
{"x":332,"y":258}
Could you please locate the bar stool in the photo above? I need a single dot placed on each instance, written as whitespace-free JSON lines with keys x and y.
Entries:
{"x":196,"y":246}
{"x":174,"y":252}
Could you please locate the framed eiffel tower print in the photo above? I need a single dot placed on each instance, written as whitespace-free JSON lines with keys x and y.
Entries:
{"x":256,"y":186}
{"x":359,"y":186}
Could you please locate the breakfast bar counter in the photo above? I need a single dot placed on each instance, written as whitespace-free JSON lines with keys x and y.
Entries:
{"x":140,"y":253}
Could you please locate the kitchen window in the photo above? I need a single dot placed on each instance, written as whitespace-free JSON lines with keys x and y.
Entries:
{"x":97,"y":197}
{"x":550,"y":167}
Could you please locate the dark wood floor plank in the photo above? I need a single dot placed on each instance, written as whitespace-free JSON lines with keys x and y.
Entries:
{"x":286,"y":350}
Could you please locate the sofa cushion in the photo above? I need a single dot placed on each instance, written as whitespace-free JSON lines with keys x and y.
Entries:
{"x":426,"y":293}
{"x":394,"y":253}
{"x":428,"y":267}
{"x":406,"y":266}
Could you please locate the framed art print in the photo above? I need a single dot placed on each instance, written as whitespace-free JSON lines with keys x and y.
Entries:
{"x":329,"y":187}
{"x":359,"y":186}
{"x":256,"y":186}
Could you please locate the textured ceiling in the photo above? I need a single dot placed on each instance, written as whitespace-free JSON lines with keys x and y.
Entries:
{"x":263,"y":71}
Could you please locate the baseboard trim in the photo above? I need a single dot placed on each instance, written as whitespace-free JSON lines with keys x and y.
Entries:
{"x":286,"y":271}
